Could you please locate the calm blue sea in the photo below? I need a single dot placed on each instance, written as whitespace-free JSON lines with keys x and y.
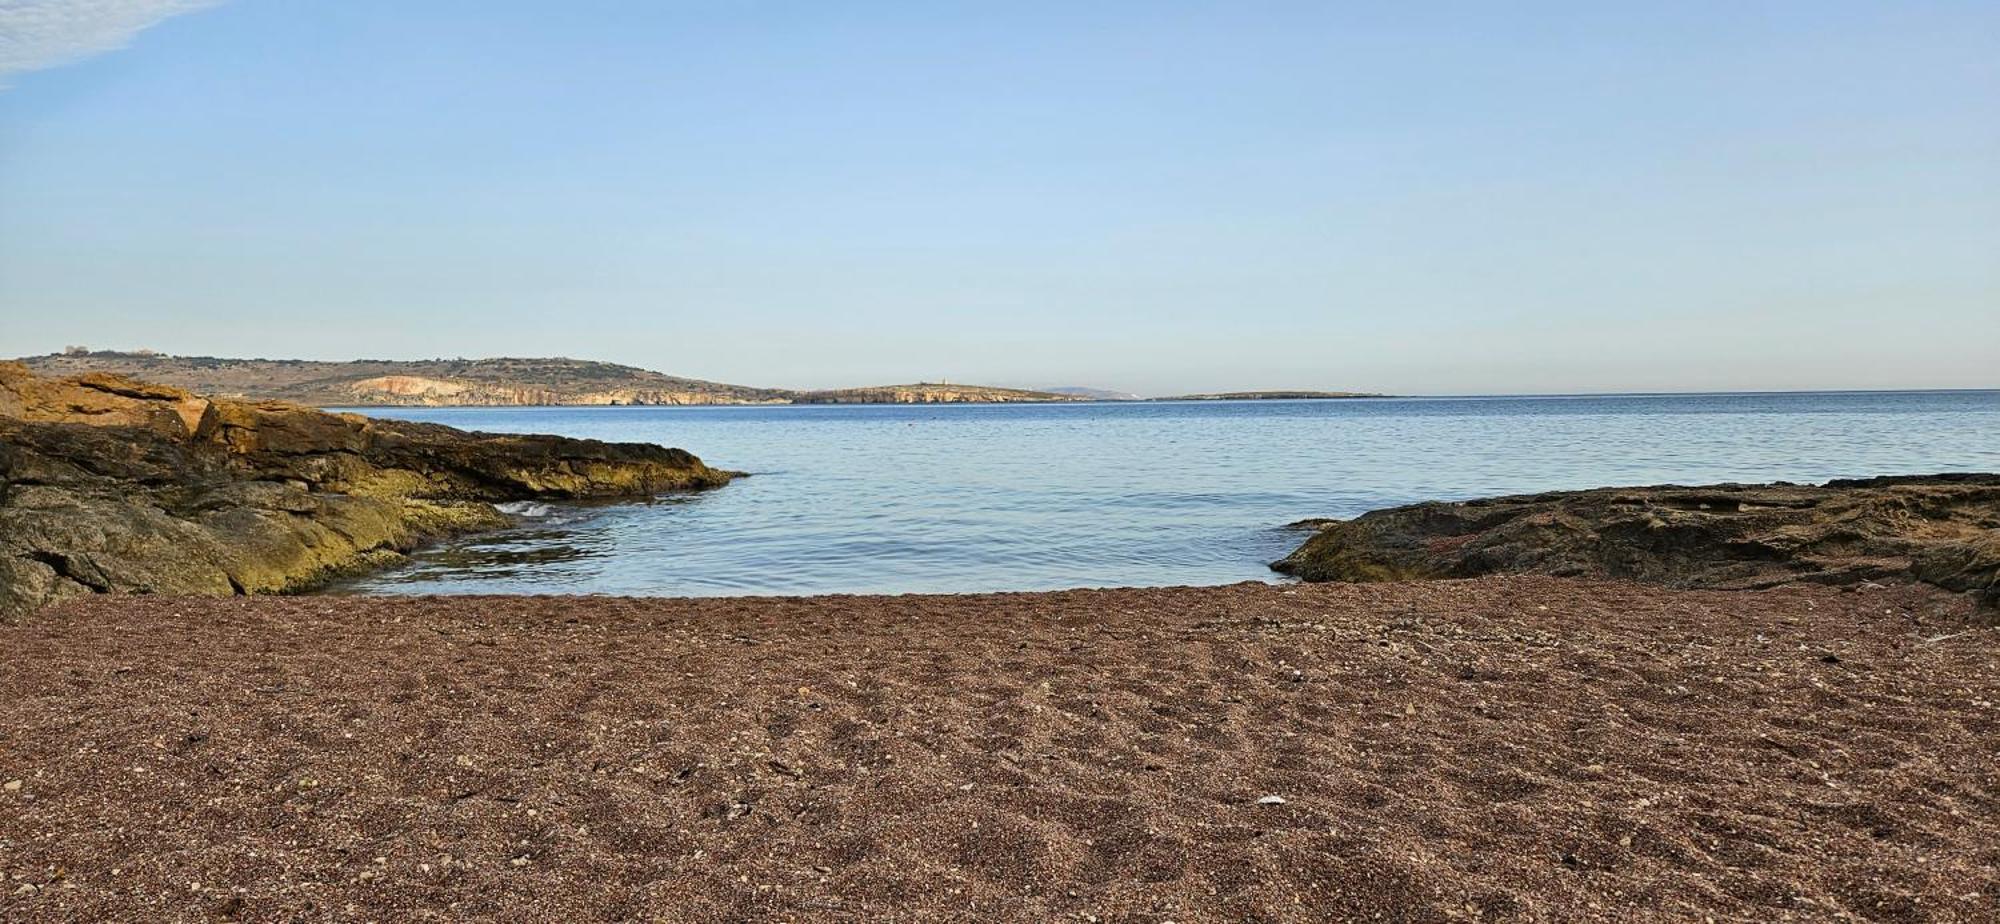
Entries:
{"x":1032,"y":497}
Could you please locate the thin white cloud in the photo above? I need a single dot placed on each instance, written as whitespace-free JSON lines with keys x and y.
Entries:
{"x":37,"y":34}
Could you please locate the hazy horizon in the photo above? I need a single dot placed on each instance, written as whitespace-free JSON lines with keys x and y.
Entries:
{"x":1155,"y":198}
{"x":1034,"y":386}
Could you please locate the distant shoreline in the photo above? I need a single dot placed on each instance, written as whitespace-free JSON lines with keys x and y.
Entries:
{"x":362,"y":385}
{"x":1577,"y":396}
{"x":1275,"y":396}
{"x":366,"y":408}
{"x":540,"y":382}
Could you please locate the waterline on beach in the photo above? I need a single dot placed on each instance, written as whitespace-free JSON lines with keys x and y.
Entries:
{"x":892,"y":499}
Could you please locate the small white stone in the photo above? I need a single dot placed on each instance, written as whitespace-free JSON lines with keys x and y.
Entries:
{"x":1271,"y":800}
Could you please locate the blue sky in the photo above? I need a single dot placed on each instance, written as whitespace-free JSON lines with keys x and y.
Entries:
{"x":1410,"y":197}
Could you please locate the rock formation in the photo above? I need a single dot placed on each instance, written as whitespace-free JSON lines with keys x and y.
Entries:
{"x":1273,"y":396}
{"x":416,"y":390}
{"x":1939,"y":529}
{"x":929,"y":393}
{"x":115,"y":486}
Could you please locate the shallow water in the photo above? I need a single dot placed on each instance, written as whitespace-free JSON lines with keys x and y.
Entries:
{"x":866,"y":499}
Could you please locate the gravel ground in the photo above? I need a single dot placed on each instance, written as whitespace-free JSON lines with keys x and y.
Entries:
{"x":1501,"y":749}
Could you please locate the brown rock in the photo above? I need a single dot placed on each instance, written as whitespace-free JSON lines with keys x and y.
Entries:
{"x":100,"y":399}
{"x":1939,"y":529}
{"x":113,"y":486}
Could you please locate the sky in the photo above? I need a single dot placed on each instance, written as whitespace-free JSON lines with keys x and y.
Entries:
{"x":1160,"y":197}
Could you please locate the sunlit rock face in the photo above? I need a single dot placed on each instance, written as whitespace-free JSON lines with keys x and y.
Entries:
{"x":110,"y":485}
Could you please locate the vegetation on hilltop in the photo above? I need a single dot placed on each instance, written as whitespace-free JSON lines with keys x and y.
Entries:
{"x":513,"y":381}
{"x":500,"y":381}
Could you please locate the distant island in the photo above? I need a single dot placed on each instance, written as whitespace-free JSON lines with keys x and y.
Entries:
{"x":1272,"y":396}
{"x":514,"y":382}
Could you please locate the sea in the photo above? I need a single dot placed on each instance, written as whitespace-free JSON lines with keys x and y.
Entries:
{"x":1020,"y":497}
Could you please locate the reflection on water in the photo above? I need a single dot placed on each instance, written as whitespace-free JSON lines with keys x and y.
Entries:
{"x":552,"y":544}
{"x":1031,"y":497}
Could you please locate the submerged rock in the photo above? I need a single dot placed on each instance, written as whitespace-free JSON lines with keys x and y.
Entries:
{"x":1939,"y":529}
{"x":113,"y":486}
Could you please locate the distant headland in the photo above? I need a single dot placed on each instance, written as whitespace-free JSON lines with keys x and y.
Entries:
{"x":1273,"y":396}
{"x":516,"y":382}
{"x":930,"y":393}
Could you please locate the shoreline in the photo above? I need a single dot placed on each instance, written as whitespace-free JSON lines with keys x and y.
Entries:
{"x":109,"y":485}
{"x":1494,"y":748}
{"x":1508,"y":396}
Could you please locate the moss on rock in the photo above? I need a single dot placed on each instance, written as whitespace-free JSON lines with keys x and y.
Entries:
{"x":1939,"y":529}
{"x":114,"y":486}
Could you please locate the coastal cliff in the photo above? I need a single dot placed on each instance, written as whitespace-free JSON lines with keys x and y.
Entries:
{"x":111,"y":485}
{"x":408,"y":383}
{"x":421,"y":391}
{"x":1273,"y":396}
{"x":1939,"y":529}
{"x":930,"y":393}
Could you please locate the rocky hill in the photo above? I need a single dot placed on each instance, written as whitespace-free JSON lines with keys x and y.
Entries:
{"x":1937,"y":529}
{"x":479,"y":382}
{"x":110,"y":485}
{"x":930,"y":393}
{"x":431,"y":382}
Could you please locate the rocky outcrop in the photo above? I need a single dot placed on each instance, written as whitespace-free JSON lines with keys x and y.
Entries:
{"x":1938,"y":529}
{"x":114,"y":486}
{"x":416,"y":387}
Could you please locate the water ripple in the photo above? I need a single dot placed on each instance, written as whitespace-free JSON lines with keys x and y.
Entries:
{"x":898,"y":499}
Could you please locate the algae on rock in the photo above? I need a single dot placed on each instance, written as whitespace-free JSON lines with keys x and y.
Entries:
{"x":113,"y":486}
{"x":1938,"y":529}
